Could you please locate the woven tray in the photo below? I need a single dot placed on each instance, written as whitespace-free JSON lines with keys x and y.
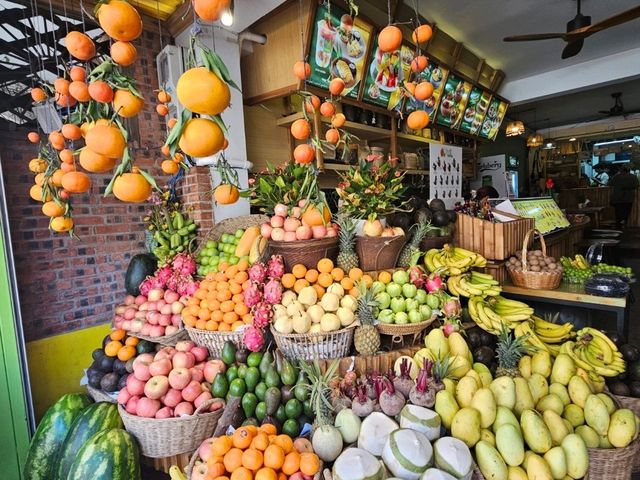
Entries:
{"x":399,"y":331}
{"x":536,"y":280}
{"x":214,"y":341}
{"x":612,"y":463}
{"x":632,"y":404}
{"x":171,"y":436}
{"x":311,"y":346}
{"x":99,"y":395}
{"x":230,"y":225}
{"x":167,"y":340}
{"x":306,"y":252}
{"x":379,"y":253}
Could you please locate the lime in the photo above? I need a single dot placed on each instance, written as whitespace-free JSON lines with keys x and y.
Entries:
{"x":204,"y":261}
{"x":234,"y":260}
{"x":280,"y":415}
{"x":254,"y":358}
{"x":237,"y":387}
{"x":261,"y":411}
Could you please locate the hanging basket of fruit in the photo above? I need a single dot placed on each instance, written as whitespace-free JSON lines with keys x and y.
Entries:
{"x":534,"y":269}
{"x":379,"y":253}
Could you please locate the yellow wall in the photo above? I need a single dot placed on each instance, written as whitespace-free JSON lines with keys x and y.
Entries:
{"x":56,"y":364}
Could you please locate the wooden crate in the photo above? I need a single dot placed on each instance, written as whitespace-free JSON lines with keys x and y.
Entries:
{"x":497,"y":269}
{"x":494,"y":241}
{"x":382,"y":362}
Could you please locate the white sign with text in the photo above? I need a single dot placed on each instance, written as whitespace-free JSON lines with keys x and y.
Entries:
{"x":445,"y":173}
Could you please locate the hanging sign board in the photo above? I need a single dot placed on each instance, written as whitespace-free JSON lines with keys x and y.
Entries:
{"x":477,"y":107}
{"x":453,"y":102}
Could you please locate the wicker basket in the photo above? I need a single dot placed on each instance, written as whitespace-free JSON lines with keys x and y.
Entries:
{"x":230,"y":225}
{"x":171,"y":436}
{"x":612,"y":463}
{"x":167,"y":340}
{"x":399,"y":331}
{"x":311,"y":346}
{"x":214,"y":341}
{"x":536,"y":280}
{"x":306,"y":252}
{"x":99,"y":395}
{"x":435,"y":242}
{"x":379,"y":253}
{"x":632,"y":404}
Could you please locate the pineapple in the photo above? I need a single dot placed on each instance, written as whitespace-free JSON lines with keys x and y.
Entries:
{"x":366,"y":338}
{"x":318,"y":385}
{"x":347,"y":258}
{"x":413,"y":247}
{"x":509,"y":350}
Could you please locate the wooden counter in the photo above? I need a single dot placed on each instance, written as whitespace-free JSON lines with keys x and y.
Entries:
{"x":563,"y":243}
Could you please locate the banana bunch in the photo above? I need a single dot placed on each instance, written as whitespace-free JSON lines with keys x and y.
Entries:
{"x":176,"y":474}
{"x":452,"y":260}
{"x":578,"y":262}
{"x":491,"y":313}
{"x":473,"y":284}
{"x":595,"y":353}
{"x":552,"y":333}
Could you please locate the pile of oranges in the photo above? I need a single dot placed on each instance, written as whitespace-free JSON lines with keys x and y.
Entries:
{"x":256,"y":453}
{"x":218,"y":304}
{"x":120,"y":345}
{"x":323,"y":276}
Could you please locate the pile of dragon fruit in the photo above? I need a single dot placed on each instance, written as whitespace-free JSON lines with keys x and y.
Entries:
{"x":264,"y":292}
{"x":156,"y":312}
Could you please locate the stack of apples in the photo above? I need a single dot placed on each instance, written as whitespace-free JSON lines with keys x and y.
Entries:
{"x":299,"y":224}
{"x":172,"y":383}
{"x":155,"y":315}
{"x":375,"y":228}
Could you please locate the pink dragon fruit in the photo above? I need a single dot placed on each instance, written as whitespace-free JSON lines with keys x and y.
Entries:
{"x":150,"y":283}
{"x":184,"y":263}
{"x":253,"y":338}
{"x":187,"y":286}
{"x":417,"y":276}
{"x":252,"y":295}
{"x":434,"y":283}
{"x":262,"y":314}
{"x":163,"y":274}
{"x":273,"y":291}
{"x":258,"y":272}
{"x":451,"y":306}
{"x":275,"y":268}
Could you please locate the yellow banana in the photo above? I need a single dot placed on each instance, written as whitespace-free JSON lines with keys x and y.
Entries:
{"x":176,"y":474}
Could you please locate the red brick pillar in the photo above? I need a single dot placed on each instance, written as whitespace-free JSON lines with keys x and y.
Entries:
{"x":197,"y":197}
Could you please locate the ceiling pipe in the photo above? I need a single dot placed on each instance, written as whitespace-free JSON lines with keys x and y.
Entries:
{"x":251,"y":37}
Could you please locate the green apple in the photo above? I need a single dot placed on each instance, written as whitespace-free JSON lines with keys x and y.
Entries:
{"x":377,"y":286}
{"x":394,"y":289}
{"x":400,"y":277}
{"x":400,"y":318}
{"x":433,"y":301}
{"x":415,"y":316}
{"x":386,"y":316}
{"x":409,"y":290}
{"x":411,"y":304}
{"x":421,"y":296}
{"x":398,"y":304}
{"x":426,"y":312}
{"x":383,"y":299}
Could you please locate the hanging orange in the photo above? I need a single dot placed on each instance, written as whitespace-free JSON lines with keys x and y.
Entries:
{"x":33,"y":137}
{"x":170,"y":167}
{"x":332,"y":136}
{"x":201,"y":137}
{"x":162,"y":110}
{"x":336,"y":86}
{"x":202,"y":91}
{"x":126,"y":104}
{"x":338,"y":120}
{"x":53,"y":209}
{"x":304,"y":154}
{"x":61,"y":224}
{"x":327,"y":109}
{"x":79,"y":90}
{"x":302,"y":70}
{"x":226,"y":194}
{"x":311,"y":104}
{"x":100,"y":91}
{"x":77,"y":74}
{"x":411,"y":87}
{"x":119,"y":20}
{"x":80,"y":45}
{"x":300,"y":129}
{"x":57,"y":140}
{"x":37,"y":165}
{"x":38,"y":94}
{"x":76,"y":182}
{"x":390,"y":38}
{"x":71,"y":131}
{"x":210,"y":10}
{"x":56,"y":178}
{"x":36,"y":194}
{"x":423,"y":91}
{"x":123,"y":53}
{"x":61,"y":85}
{"x":419,"y":63}
{"x":422,"y":34}
{"x":163,"y":96}
{"x":418,"y":120}
{"x":106,"y":140}
{"x":66,"y":155}
{"x":131,"y":187}
{"x":67,"y":167}
{"x":65,"y":100}
{"x":94,"y":162}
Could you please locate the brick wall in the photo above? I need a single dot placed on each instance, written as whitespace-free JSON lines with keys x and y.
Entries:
{"x":64,"y":283}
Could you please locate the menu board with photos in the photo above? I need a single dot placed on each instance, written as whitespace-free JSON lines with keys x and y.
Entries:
{"x":492,"y":121}
{"x":453,"y":102}
{"x":476,"y":109}
{"x":338,"y":49}
{"x":384,"y":76}
{"x":437,"y":75}
{"x":545,"y":212}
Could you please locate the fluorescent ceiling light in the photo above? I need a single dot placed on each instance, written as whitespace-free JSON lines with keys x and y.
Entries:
{"x":572,"y":139}
{"x":612,"y":142}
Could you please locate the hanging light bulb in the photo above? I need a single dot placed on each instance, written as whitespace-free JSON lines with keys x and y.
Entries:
{"x":534,"y":140}
{"x":514,"y":128}
{"x":227,"y":16}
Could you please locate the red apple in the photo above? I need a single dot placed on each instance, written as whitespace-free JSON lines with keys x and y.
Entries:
{"x":165,"y":352}
{"x":170,"y":296}
{"x":164,"y":319}
{"x":135,"y":386}
{"x":191,"y":391}
{"x":165,"y":412}
{"x":183,"y":408}
{"x":153,"y":317}
{"x":184,"y":359}
{"x":319,"y":231}
{"x":160,"y":367}
{"x":146,"y":329}
{"x":280,"y":209}
{"x":126,"y":325}
{"x":156,"y":331}
{"x":129,"y":313}
{"x":277,"y":221}
{"x":147,"y":407}
{"x":176,"y":318}
{"x":129,"y":300}
{"x":132,"y":405}
{"x":185,"y":345}
{"x":176,"y":307}
{"x":140,"y":299}
{"x":203,"y":397}
{"x":166,"y":309}
{"x":137,"y":325}
{"x":156,"y":387}
{"x":179,"y":378}
{"x":289,"y":237}
{"x":296,"y":212}
{"x":291,"y":224}
{"x":265,"y":230}
{"x":205,"y":451}
{"x":160,"y":303}
{"x":201,"y":353}
{"x":304,"y":232}
{"x":200,"y":471}
{"x":277,"y":234}
{"x":332,"y":232}
{"x":124,"y":396}
{"x":155,"y":294}
{"x":172,"y":398}
{"x":197,"y":374}
{"x":141,"y":371}
{"x":170,"y":330}
{"x":211,"y":369}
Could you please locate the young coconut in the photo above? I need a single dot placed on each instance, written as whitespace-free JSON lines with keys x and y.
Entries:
{"x":391,"y":401}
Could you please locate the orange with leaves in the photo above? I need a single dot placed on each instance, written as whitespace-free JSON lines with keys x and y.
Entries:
{"x":71,"y":131}
{"x":61,"y":224}
{"x":311,"y":104}
{"x":126,"y":104}
{"x":338,"y":120}
{"x":94,"y":162}
{"x":77,"y":74}
{"x":38,"y":95}
{"x":80,"y":46}
{"x":201,"y":137}
{"x":336,"y":86}
{"x":79,"y":90}
{"x":170,"y":167}
{"x":332,"y":136}
{"x":119,"y":20}
{"x":327,"y":109}
{"x":33,"y":137}
{"x":123,"y":53}
{"x":423,"y":91}
{"x":61,"y":85}
{"x":419,"y":63}
{"x":300,"y":129}
{"x":131,"y":187}
{"x":226,"y":194}
{"x":304,"y":154}
{"x":106,"y":140}
{"x":203,"y":92}
{"x":100,"y":91}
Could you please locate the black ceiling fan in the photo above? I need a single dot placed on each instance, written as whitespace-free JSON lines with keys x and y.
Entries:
{"x":578,"y":29}
{"x":618,"y":107}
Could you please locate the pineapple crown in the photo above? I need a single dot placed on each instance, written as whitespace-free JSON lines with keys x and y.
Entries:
{"x":442,"y":368}
{"x":347,"y":228}
{"x":510,"y":348}
{"x":366,"y":304}
{"x":420,"y":230}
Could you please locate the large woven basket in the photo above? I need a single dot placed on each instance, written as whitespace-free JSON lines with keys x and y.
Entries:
{"x":214,"y":341}
{"x":167,"y":340}
{"x":230,"y":225}
{"x":379,"y":253}
{"x":306,"y":252}
{"x":612,"y":463}
{"x":311,"y":346}
{"x":171,"y":436}
{"x":632,"y":404}
{"x":399,"y":331}
{"x":99,"y":395}
{"x":536,"y":280}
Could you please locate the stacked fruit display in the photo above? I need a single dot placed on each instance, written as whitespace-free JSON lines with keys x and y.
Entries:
{"x":172,"y":383}
{"x":323,"y":276}
{"x":595,"y":353}
{"x":494,"y":313}
{"x":400,"y":301}
{"x":230,"y":248}
{"x":155,"y":315}
{"x":113,"y":362}
{"x":536,"y":262}
{"x":299,"y":224}
{"x":452,"y":260}
{"x":541,"y":334}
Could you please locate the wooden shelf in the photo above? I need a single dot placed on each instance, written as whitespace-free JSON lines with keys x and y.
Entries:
{"x":410,"y":138}
{"x":364,"y":132}
{"x":341,"y":167}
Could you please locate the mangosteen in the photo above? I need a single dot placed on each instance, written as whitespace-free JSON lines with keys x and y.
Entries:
{"x":453,"y":216}
{"x":634,"y":389}
{"x":484,"y":355}
{"x":241,"y":355}
{"x":400,"y":219}
{"x":619,"y":388}
{"x":474,"y":339}
{"x":122,"y":383}
{"x":615,"y":338}
{"x":129,"y":365}
{"x":109,"y":382}
{"x":94,"y":377}
{"x":119,"y":367}
{"x":630,"y":352}
{"x":422,"y":215}
{"x":437,"y":205}
{"x":105,"y":364}
{"x":493,"y":367}
{"x":97,"y":354}
{"x":487,"y":339}
{"x":440,"y":218}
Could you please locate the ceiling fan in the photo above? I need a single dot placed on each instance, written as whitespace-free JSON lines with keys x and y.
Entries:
{"x":618,"y":107}
{"x":578,"y":29}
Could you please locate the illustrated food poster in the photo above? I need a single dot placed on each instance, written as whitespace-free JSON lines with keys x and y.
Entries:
{"x":384,"y":77}
{"x":437,"y":75}
{"x":453,"y":102}
{"x":476,"y":110}
{"x":445,"y":173}
{"x":545,"y":212}
{"x":338,"y":49}
{"x":493,"y":120}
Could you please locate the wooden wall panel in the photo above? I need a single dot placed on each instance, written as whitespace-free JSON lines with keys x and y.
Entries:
{"x":267,"y":143}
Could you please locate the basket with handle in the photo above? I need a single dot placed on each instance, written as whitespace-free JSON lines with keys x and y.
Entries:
{"x":527,"y":278}
{"x":164,"y":437}
{"x":632,"y":404}
{"x":306,"y":252}
{"x":612,"y":463}
{"x":230,"y":225}
{"x":310,"y":346}
{"x":379,"y":253}
{"x":166,"y":340}
{"x":397,"y":332}
{"x":214,"y":341}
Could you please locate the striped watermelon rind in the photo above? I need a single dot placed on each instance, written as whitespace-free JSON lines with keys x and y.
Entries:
{"x":108,"y":455}
{"x":50,"y":435}
{"x":93,"y":419}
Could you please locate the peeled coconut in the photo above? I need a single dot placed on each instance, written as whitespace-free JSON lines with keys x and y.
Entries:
{"x":407,"y":453}
{"x":327,"y":442}
{"x":357,"y":464}
{"x":329,"y":322}
{"x":374,"y":432}
{"x":308,"y":296}
{"x":330,"y":302}
{"x":348,"y":423}
{"x":315,"y":313}
{"x":346,"y":316}
{"x":453,"y":456}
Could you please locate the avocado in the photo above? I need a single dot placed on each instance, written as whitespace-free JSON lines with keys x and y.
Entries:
{"x":94,"y":377}
{"x":228,"y":353}
{"x":119,"y":367}
{"x":437,"y":205}
{"x":440,"y":218}
{"x":109,"y":382}
{"x":105,"y":364}
{"x":272,"y":400}
{"x":97,"y":354}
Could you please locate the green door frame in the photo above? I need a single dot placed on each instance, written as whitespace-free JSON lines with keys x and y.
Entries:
{"x":15,"y":404}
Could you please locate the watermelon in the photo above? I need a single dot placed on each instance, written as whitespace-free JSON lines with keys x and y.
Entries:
{"x":50,"y":435}
{"x":93,"y":419}
{"x":108,"y":455}
{"x":140,"y":267}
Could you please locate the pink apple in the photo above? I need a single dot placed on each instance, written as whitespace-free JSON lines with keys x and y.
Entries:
{"x":176,"y":318}
{"x":332,"y":232}
{"x":191,"y":391}
{"x":156,"y":387}
{"x":172,"y":398}
{"x":164,"y":319}
{"x":289,"y":237}
{"x":129,"y":300}
{"x":141,"y":371}
{"x":170,"y":329}
{"x":146,"y":329}
{"x":129,"y":313}
{"x":277,"y":234}
{"x":160,"y":303}
{"x":165,"y":352}
{"x":205,"y":451}
{"x":296,"y":212}
{"x":179,"y":378}
{"x":201,"y":353}
{"x":265,"y":230}
{"x":291,"y":224}
{"x":184,"y":359}
{"x":147,"y":407}
{"x":132,"y":405}
{"x":135,"y":386}
{"x":165,"y":309}
{"x":212,"y":367}
{"x":140,"y":299}
{"x":123,"y":396}
{"x":197,"y":374}
{"x":155,"y":294}
{"x":165,"y":412}
{"x":183,"y":408}
{"x":176,"y":307}
{"x":126,"y":325}
{"x":185,"y":345}
{"x":203,"y":397}
{"x":280,"y":209}
{"x":137,"y":325}
{"x":319,"y":231}
{"x":304,"y":232}
{"x":302,"y":203}
{"x":277,"y":221}
{"x":160,"y":367}
{"x":170,"y":296}
{"x":156,"y":331}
